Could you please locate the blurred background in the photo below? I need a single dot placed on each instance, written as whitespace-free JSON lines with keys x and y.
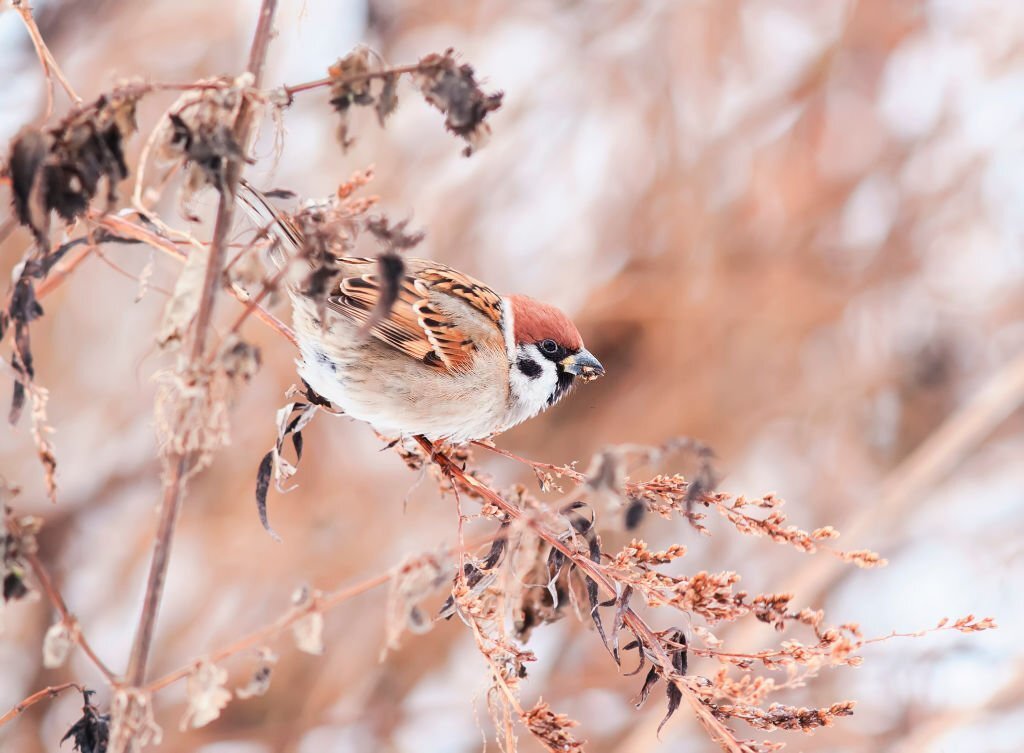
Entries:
{"x":789,"y":228}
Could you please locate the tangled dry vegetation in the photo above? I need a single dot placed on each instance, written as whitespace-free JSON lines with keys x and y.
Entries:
{"x":520,"y":562}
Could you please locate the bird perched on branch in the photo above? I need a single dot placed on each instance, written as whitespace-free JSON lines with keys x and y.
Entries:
{"x":414,"y":347}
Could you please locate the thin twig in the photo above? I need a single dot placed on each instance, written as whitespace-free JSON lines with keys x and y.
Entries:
{"x":42,"y":576}
{"x":179,"y":463}
{"x":323,"y":603}
{"x":128,"y":229}
{"x":328,"y":80}
{"x":40,"y":695}
{"x":49,"y":64}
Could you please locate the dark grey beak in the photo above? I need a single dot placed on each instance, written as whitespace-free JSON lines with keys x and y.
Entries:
{"x":584,"y":365}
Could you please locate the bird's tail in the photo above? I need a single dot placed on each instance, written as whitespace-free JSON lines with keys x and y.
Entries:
{"x":281,"y":229}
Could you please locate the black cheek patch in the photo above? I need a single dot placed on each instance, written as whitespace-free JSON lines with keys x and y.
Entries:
{"x":529,"y":368}
{"x":562,"y":387}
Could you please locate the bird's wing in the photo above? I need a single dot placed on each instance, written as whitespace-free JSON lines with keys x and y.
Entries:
{"x":440,"y":316}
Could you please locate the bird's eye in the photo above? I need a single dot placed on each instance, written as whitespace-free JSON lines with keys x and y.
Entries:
{"x":549,"y":346}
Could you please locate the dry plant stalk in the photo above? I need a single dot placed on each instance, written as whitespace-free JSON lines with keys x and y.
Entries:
{"x":542,"y":561}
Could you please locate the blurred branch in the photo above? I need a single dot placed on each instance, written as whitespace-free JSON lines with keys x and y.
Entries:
{"x":51,"y":69}
{"x":924,"y":733}
{"x":40,"y":695}
{"x":55,"y":598}
{"x":933,"y":460}
{"x":179,"y":463}
{"x":351,"y":78}
{"x":322,"y":603}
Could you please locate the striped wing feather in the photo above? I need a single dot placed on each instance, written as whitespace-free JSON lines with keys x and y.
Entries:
{"x":418,"y":325}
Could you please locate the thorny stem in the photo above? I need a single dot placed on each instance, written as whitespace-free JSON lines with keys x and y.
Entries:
{"x":593,"y":571}
{"x":55,"y":598}
{"x":40,"y":695}
{"x":179,"y":463}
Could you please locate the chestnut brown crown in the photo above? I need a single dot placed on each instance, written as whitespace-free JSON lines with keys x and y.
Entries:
{"x":535,"y":321}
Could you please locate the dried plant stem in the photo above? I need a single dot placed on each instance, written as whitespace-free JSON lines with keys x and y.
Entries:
{"x":327,"y":81}
{"x":323,"y":604}
{"x":268,"y":632}
{"x":592,"y":570}
{"x":40,"y":695}
{"x":46,"y":583}
{"x":179,"y":463}
{"x":68,"y":265}
{"x":50,"y":68}
{"x":128,"y":229}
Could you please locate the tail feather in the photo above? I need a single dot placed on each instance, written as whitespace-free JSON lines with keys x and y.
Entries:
{"x":287,"y":237}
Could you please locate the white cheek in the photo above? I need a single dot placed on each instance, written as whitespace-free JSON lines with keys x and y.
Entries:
{"x":531,"y":394}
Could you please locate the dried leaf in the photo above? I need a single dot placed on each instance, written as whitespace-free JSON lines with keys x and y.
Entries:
{"x":454,"y":90}
{"x":350,"y":85}
{"x":552,"y":729}
{"x":262,"y":486}
{"x":206,"y":695}
{"x":56,"y":645}
{"x":391,"y":270}
{"x":309,"y":630}
{"x":91,"y":733}
{"x":675,"y":695}
{"x":183,"y":305}
{"x":649,"y":682}
{"x":387,"y":99}
{"x":259,"y":683}
{"x":14,"y":586}
{"x":309,"y":633}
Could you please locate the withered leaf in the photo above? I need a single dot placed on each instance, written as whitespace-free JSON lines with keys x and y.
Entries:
{"x":675,"y":695}
{"x":641,"y":656}
{"x":387,"y":100}
{"x":91,"y":733}
{"x":649,"y":682}
{"x":393,"y":236}
{"x":262,"y":487}
{"x":494,"y":556}
{"x":60,"y":169}
{"x":350,"y":85}
{"x":454,"y":90}
{"x":635,"y":512}
{"x":14,"y":586}
{"x":28,"y":150}
{"x":206,"y":694}
{"x":621,"y":605}
{"x":56,"y":645}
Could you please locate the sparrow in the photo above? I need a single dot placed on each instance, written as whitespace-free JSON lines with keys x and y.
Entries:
{"x":449,"y":359}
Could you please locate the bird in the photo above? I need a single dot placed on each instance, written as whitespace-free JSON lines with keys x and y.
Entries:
{"x":443,"y":357}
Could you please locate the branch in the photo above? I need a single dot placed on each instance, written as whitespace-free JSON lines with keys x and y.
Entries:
{"x":595,"y":572}
{"x":46,"y":59}
{"x":322,"y":604}
{"x":180,"y":463}
{"x":351,"y":79}
{"x":50,"y":692}
{"x":55,"y":598}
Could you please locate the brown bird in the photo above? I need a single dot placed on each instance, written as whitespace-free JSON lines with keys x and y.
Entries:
{"x":450,"y":360}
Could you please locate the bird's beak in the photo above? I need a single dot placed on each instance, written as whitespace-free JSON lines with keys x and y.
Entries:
{"x":584,"y":365}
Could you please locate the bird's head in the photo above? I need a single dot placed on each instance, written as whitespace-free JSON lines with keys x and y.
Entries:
{"x":547,"y":354}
